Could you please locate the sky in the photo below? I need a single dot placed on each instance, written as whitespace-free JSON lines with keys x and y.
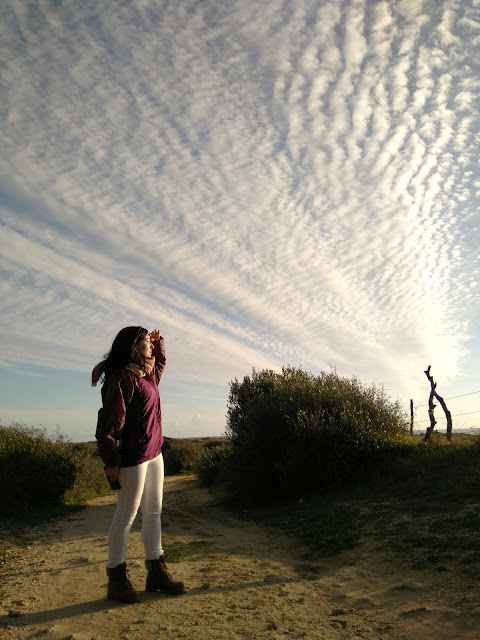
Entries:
{"x":269,"y":183}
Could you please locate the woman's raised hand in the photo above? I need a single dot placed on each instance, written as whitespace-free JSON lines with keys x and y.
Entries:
{"x":155,"y":335}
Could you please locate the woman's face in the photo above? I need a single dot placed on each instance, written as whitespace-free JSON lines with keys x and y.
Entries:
{"x":144,"y":347}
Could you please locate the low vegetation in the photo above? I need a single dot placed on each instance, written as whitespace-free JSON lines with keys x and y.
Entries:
{"x":37,"y":470}
{"x":424,"y":505}
{"x":323,"y":458}
{"x":181,"y":455}
{"x":330,"y":461}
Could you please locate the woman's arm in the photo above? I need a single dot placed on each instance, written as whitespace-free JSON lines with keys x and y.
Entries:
{"x":158,"y":353}
{"x":116,"y":396}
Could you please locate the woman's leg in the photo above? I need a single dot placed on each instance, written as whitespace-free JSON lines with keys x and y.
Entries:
{"x":151,"y":505}
{"x":132,"y":481}
{"x":158,"y":577}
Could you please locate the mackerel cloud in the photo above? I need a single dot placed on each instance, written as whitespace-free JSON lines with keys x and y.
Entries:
{"x":270,"y":183}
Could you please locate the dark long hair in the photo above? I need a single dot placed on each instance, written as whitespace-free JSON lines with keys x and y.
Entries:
{"x":123,"y":350}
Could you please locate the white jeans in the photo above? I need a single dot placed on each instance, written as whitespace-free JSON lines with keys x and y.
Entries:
{"x":141,"y":486}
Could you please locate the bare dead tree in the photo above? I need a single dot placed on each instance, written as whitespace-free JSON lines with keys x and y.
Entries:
{"x":448,"y":415}
{"x":431,"y":409}
{"x":431,"y":406}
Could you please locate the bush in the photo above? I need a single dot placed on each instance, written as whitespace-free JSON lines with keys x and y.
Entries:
{"x":89,"y":475}
{"x":212,"y":465}
{"x":38,"y":470}
{"x":436,"y":469}
{"x":292,"y":432}
{"x":214,"y":442}
{"x":34,"y":469}
{"x":180,"y":456}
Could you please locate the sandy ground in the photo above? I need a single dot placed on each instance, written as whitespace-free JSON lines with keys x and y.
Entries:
{"x":242,"y":582}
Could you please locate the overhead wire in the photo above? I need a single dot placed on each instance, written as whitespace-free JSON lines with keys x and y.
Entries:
{"x":455,"y":416}
{"x":451,"y":398}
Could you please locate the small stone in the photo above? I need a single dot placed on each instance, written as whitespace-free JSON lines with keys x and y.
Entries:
{"x":364,"y":602}
{"x":20,"y":603}
{"x":14,"y":613}
{"x":341,"y":624}
{"x":410,"y":586}
{"x":45,"y":632}
{"x":270,"y":577}
{"x":414,"y":612}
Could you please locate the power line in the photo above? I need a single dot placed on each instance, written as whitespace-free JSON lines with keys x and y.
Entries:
{"x":452,"y":398}
{"x":455,"y":416}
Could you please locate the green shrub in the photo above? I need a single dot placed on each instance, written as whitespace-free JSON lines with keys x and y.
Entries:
{"x":212,"y":465}
{"x":89,"y":476}
{"x":38,"y":470}
{"x":34,"y":469}
{"x":292,"y":432}
{"x":437,"y":469}
{"x":214,"y":442}
{"x":180,"y":455}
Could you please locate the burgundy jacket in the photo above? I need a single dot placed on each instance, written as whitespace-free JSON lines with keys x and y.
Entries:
{"x":129,"y":427}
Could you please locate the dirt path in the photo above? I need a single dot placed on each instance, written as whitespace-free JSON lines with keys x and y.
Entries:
{"x":243,"y":582}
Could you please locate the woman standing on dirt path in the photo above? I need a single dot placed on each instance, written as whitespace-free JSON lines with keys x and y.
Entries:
{"x":129,"y":436}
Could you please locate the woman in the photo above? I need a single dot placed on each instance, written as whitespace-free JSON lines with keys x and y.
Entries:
{"x":129,"y":436}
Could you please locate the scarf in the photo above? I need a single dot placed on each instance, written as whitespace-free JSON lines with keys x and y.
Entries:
{"x":134,"y":367}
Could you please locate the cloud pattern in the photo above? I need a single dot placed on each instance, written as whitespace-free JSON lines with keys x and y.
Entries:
{"x":269,"y":183}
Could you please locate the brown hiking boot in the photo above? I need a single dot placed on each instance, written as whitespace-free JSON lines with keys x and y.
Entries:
{"x":119,"y":586}
{"x":158,"y":578}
